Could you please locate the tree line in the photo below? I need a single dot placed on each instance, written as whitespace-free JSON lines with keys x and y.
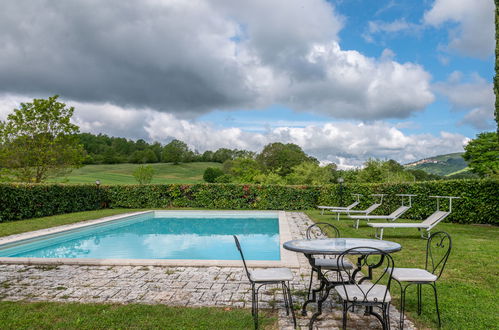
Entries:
{"x":103,"y":149}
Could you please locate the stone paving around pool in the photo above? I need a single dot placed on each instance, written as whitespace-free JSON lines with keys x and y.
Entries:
{"x":175,"y":286}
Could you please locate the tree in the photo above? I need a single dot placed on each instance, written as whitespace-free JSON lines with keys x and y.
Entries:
{"x":38,"y":140}
{"x":143,"y":174}
{"x":244,"y":170}
{"x":175,"y":152}
{"x":211,"y":173}
{"x":281,"y":158}
{"x":310,"y":173}
{"x":482,"y":154}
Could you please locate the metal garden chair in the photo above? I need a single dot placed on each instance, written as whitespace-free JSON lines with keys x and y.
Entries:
{"x":369,"y":295}
{"x":321,"y":230}
{"x":262,"y":277}
{"x":438,"y":249}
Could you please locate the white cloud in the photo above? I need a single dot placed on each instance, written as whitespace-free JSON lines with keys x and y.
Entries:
{"x":474,"y":34}
{"x":191,"y":57}
{"x":475,"y":96}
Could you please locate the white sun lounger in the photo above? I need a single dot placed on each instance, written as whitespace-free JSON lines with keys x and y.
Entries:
{"x":333,"y":208}
{"x":391,"y":217}
{"x":364,"y":212}
{"x":427,"y":224}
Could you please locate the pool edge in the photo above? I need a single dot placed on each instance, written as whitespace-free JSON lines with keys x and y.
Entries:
{"x":288,"y":258}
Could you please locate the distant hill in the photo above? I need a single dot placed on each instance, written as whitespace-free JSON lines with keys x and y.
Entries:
{"x":443,"y":165}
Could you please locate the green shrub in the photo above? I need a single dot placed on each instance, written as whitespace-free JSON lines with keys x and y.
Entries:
{"x":23,"y":201}
{"x":211,"y":173}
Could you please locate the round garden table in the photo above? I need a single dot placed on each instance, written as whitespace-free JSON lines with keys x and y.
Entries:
{"x":335,"y":246}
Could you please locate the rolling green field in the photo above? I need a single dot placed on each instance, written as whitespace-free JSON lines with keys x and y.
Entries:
{"x":123,"y":173}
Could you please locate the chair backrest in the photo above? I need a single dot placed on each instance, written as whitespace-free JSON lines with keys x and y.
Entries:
{"x":242,"y":256}
{"x":322,"y":229}
{"x":372,"y":208}
{"x":398,"y":212}
{"x":376,"y":264}
{"x":438,"y":250}
{"x":351,"y":206}
{"x":435,"y":218}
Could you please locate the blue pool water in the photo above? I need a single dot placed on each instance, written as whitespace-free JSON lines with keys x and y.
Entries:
{"x":158,"y":236}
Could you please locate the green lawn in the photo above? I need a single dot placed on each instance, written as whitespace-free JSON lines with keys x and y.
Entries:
{"x":469,"y":285}
{"x":467,"y":289}
{"x":123,"y":173}
{"x":45,"y":315}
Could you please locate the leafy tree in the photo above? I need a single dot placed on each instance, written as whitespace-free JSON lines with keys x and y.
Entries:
{"x":383,"y":171}
{"x":281,"y":158}
{"x":175,"y":152}
{"x":244,"y":170}
{"x":482,"y":154}
{"x":270,"y":178}
{"x":143,"y":156}
{"x":207,"y":156}
{"x":143,"y":174}
{"x":211,"y":173}
{"x":38,"y":140}
{"x":310,"y":173}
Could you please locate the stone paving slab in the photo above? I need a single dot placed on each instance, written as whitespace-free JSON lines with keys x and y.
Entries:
{"x":174,"y":286}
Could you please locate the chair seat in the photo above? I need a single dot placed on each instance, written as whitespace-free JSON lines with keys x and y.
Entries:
{"x":364,"y":293}
{"x":271,"y":275}
{"x":413,"y":275}
{"x":332,"y":263}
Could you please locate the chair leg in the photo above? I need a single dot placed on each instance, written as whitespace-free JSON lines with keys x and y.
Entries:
{"x":420,"y":303}
{"x":402,"y":305}
{"x":255,"y":315}
{"x":345,"y":310}
{"x":434,"y":285}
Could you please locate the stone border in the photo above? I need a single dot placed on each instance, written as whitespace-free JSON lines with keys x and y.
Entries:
{"x":288,"y":258}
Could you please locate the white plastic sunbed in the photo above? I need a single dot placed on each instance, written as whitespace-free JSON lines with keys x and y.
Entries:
{"x":427,"y":224}
{"x":333,"y":208}
{"x":364,"y":212}
{"x":391,"y":217}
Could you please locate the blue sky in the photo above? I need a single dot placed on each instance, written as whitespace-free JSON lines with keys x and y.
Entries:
{"x":347,"y":80}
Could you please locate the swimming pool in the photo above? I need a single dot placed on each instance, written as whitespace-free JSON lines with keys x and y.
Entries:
{"x":156,"y":235}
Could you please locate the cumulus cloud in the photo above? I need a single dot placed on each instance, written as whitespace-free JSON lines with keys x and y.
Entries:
{"x":474,"y":34}
{"x":474,"y":95}
{"x":191,"y":57}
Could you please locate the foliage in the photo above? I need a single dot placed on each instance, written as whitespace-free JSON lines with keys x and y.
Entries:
{"x":211,"y":173}
{"x":175,"y":152}
{"x":143,"y":174}
{"x":243,"y":170}
{"x":479,"y":201}
{"x":38,"y":140}
{"x":281,"y":158}
{"x":24,"y":201}
{"x":482,"y":154}
{"x":310,"y":173}
{"x":383,"y":171}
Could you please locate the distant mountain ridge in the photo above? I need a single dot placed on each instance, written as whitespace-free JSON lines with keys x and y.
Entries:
{"x":443,"y":165}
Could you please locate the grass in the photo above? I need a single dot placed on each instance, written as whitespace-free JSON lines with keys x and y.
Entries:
{"x":123,"y":173}
{"x":45,"y":315}
{"x":469,"y":285}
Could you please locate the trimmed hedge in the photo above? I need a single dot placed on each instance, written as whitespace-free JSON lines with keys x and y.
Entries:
{"x":24,"y":201}
{"x":479,"y":201}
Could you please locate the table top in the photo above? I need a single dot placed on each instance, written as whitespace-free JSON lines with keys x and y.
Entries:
{"x":338,"y":245}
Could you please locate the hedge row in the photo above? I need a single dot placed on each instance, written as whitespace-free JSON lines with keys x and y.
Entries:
{"x":479,"y":201}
